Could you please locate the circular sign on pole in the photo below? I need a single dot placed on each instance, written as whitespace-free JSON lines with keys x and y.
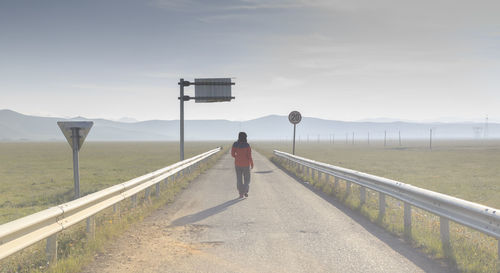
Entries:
{"x":294,"y":117}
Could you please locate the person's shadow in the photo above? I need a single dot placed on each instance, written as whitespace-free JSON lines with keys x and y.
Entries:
{"x":193,"y":218}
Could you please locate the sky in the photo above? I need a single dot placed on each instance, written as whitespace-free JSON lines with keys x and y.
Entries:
{"x":342,"y":60}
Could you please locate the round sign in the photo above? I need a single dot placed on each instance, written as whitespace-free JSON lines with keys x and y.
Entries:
{"x":294,"y":117}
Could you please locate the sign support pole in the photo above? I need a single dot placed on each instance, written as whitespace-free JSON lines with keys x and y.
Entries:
{"x":294,"y":117}
{"x":295,"y":125}
{"x":75,"y":134}
{"x":181,"y":99}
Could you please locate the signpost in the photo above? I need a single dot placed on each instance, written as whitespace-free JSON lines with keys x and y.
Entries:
{"x":294,"y":117}
{"x":75,"y":133}
{"x":206,"y":90}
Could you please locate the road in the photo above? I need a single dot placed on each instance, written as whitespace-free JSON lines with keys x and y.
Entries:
{"x":283,"y":226}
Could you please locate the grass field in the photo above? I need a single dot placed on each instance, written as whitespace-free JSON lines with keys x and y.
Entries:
{"x":464,"y":169}
{"x":105,"y":164}
{"x":35,"y":176}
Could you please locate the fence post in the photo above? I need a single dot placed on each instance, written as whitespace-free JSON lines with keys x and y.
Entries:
{"x":362,"y":195}
{"x":51,"y":249}
{"x":91,"y":226}
{"x":444,"y":228}
{"x":381,"y":205}
{"x":407,"y":221}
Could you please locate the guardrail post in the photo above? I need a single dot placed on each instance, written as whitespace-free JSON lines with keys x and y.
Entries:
{"x":51,"y":249}
{"x":158,"y":189}
{"x":381,"y":205}
{"x":444,"y":228}
{"x":407,"y":220}
{"x":347,"y":187}
{"x":116,"y":208}
{"x":335,"y":183}
{"x":362,"y":195}
{"x":319,"y":176}
{"x":134,"y":200}
{"x":312,"y":174}
{"x":166,"y":181}
{"x":308,"y":172}
{"x":91,"y":226}
{"x":327,"y":178}
{"x":147,"y":194}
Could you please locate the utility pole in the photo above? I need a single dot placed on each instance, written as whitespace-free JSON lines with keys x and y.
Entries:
{"x":430,"y":139}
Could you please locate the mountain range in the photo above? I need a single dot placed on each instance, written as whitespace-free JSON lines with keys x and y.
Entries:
{"x":18,"y":127}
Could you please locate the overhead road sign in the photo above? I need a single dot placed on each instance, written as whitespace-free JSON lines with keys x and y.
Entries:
{"x":212,"y":90}
{"x":206,"y":90}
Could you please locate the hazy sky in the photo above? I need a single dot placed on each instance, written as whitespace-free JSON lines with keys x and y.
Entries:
{"x":345,"y":60}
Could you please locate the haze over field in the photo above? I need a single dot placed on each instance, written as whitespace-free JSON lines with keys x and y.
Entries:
{"x":329,"y":59}
{"x":15,"y":126}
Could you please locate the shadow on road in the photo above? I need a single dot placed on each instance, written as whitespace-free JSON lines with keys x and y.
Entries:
{"x":397,"y":244}
{"x":193,"y":218}
{"x":264,"y":172}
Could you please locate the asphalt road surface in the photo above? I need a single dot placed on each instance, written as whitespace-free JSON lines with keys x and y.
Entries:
{"x":283,"y":226}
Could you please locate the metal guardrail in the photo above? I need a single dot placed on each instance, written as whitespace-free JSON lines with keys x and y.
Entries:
{"x":482,"y":218}
{"x":26,"y":231}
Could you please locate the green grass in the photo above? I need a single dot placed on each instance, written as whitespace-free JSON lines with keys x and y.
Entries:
{"x":464,"y":169}
{"x":75,"y":247}
{"x":35,"y":176}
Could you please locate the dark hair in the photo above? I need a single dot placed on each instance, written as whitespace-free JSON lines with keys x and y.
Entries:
{"x":242,"y":137}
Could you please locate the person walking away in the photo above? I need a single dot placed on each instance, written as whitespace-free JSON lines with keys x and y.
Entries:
{"x":243,"y":161}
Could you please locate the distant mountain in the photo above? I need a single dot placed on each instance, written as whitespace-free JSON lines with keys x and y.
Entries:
{"x":18,"y":127}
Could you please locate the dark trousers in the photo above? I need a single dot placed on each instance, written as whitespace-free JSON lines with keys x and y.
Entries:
{"x":242,"y":179}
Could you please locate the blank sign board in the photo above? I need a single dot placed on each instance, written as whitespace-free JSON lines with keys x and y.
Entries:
{"x":83,"y":130}
{"x":212,"y":90}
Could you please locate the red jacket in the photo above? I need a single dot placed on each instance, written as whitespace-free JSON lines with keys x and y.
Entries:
{"x":242,"y":154}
